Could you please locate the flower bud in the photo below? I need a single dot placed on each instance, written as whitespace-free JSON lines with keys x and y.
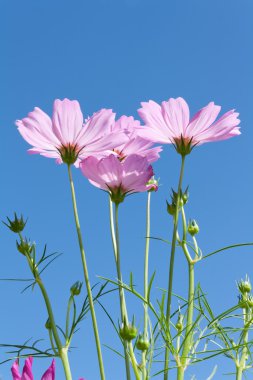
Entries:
{"x":244,"y":286}
{"x":25,"y":246}
{"x":152,"y":184}
{"x":179,"y":325}
{"x":183,"y":197}
{"x":48,"y":324}
{"x":17,"y":225}
{"x":128,"y":331}
{"x":142,"y":344}
{"x":243,"y":302}
{"x":76,"y":288}
{"x":171,"y":208}
{"x":193,"y":227}
{"x":250,"y":301}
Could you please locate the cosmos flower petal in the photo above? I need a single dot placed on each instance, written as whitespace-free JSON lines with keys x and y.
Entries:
{"x":66,"y":138}
{"x":203,"y":119}
{"x":115,"y":176}
{"x":176,"y":116}
{"x":27,"y":370}
{"x":67,"y":120}
{"x":15,"y":371}
{"x":50,"y":372}
{"x":170,"y":124}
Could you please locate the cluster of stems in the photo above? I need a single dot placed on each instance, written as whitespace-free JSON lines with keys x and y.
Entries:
{"x":59,"y":349}
{"x":183,"y":350}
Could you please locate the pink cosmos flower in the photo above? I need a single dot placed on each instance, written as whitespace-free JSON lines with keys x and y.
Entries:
{"x":119,"y":178}
{"x":27,"y":371}
{"x":171,"y":123}
{"x":65,"y":137}
{"x":133,"y":143}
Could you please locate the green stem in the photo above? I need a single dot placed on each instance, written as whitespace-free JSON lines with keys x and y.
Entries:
{"x":123,"y":308}
{"x":171,"y":271}
{"x":62,"y":351}
{"x":180,"y":373}
{"x":242,"y":364}
{"x":115,"y":244}
{"x":71,"y":300}
{"x":188,"y":331}
{"x":86,"y":276}
{"x":145,"y":332}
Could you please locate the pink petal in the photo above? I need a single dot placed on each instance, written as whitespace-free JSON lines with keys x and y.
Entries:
{"x":15,"y":371}
{"x":27,"y":370}
{"x":99,"y":125}
{"x":67,"y":120}
{"x":127,"y":124}
{"x":50,"y":372}
{"x":36,"y":129}
{"x":176,"y":116}
{"x":151,"y":113}
{"x":202,"y":120}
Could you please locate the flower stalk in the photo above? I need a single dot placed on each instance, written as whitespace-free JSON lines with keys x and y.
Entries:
{"x":128,"y":348}
{"x":62,"y":351}
{"x":146,"y":267}
{"x":172,"y":259}
{"x":86,"y":276}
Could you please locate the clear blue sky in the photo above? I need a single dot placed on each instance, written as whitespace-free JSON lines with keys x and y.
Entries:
{"x":115,"y":54}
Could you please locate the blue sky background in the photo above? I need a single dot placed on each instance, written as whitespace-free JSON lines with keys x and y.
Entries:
{"x":115,"y":54}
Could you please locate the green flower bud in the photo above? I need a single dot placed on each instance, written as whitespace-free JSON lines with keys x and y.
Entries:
{"x":250,"y":300}
{"x":244,"y":286}
{"x":193,"y":227}
{"x":183,"y":197}
{"x":142,"y":344}
{"x":25,"y":247}
{"x":128,"y":331}
{"x":243,"y":302}
{"x":171,"y":208}
{"x":152,"y":184}
{"x":48,"y":324}
{"x":76,"y":288}
{"x":179,"y":325}
{"x":17,"y":225}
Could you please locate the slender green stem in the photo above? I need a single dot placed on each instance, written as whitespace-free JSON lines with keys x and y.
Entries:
{"x":86,"y":276}
{"x":242,"y":364}
{"x":188,"y":331}
{"x":52,"y":342}
{"x":124,"y":317}
{"x":115,"y":244}
{"x":71,"y":300}
{"x":171,"y":270}
{"x":145,"y":332}
{"x":62,"y":351}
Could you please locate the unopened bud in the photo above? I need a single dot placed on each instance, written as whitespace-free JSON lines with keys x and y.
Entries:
{"x":244,"y":286}
{"x":171,"y":208}
{"x":193,"y":227}
{"x":152,"y":184}
{"x":128,"y":331}
{"x":76,"y":288}
{"x":243,"y":302}
{"x":17,"y":224}
{"x":250,"y":300}
{"x":142,"y":344}
{"x":25,"y":246}
{"x":48,"y":324}
{"x":179,"y":325}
